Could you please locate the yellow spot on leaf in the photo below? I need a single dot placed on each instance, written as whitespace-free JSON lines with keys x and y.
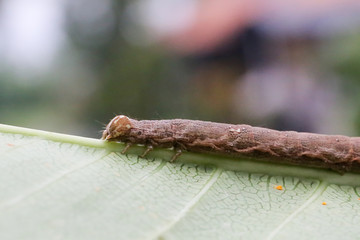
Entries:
{"x":324,"y":203}
{"x":279,"y":187}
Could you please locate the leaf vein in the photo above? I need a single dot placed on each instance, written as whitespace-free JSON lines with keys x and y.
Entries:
{"x":12,"y":202}
{"x":213,"y":178}
{"x":317,"y":192}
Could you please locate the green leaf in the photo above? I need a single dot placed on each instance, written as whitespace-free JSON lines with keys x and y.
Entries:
{"x":55,"y":186}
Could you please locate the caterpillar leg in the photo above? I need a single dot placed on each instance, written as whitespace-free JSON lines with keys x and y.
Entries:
{"x":176,"y":155}
{"x":147,"y":150}
{"x":128,"y":145}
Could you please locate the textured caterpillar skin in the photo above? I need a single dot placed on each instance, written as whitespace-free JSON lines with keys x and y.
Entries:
{"x":336,"y":152}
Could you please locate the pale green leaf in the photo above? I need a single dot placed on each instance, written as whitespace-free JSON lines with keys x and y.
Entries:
{"x":55,"y":186}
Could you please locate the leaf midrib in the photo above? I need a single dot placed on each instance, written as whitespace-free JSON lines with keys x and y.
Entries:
{"x":202,"y":159}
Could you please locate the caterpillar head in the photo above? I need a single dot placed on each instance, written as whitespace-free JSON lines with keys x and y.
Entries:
{"x":117,"y":127}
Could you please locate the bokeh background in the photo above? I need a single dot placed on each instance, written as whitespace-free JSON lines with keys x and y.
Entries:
{"x":70,"y":66}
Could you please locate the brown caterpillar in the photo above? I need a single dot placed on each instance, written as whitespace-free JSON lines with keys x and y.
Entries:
{"x":340,"y":153}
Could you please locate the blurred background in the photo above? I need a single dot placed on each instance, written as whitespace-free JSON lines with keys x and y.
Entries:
{"x":70,"y":66}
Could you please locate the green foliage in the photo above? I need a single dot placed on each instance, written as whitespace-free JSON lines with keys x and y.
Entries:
{"x":57,"y":186}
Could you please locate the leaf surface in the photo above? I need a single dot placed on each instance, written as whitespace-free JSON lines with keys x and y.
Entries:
{"x":56,"y":186}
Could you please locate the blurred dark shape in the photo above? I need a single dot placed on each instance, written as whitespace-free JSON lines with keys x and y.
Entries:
{"x":215,"y":74}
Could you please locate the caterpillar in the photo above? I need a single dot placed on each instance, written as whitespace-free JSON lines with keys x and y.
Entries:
{"x":336,"y":152}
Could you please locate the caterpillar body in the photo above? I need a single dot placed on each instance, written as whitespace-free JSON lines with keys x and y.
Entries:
{"x":340,"y":153}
